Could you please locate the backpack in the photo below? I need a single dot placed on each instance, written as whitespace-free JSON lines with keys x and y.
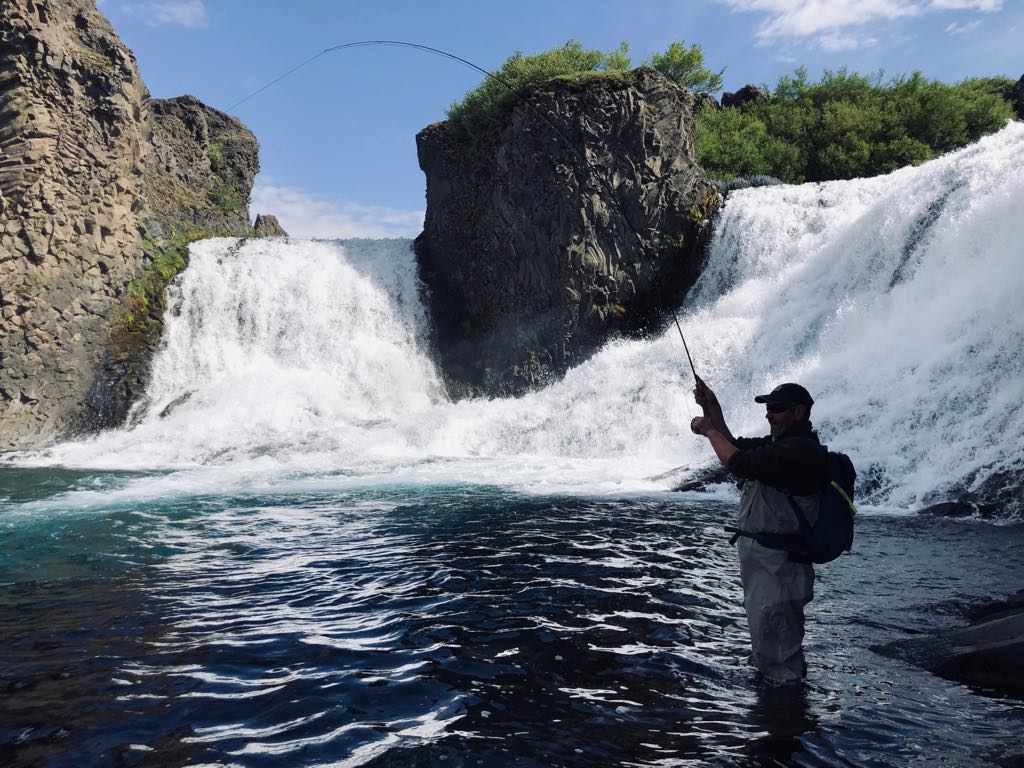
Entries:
{"x":832,"y":532}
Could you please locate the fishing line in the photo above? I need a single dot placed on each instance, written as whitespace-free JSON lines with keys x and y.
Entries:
{"x":597,"y":174}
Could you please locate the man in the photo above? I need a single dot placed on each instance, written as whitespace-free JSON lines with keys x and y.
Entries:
{"x":787,"y":463}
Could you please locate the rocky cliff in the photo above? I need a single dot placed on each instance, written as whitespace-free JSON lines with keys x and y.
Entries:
{"x":528,"y":252}
{"x":101,"y":189}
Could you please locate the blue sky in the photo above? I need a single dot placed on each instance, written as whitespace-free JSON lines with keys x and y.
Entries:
{"x":338,"y":137}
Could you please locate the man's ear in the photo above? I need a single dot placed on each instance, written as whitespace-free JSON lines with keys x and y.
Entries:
{"x":802,"y":412}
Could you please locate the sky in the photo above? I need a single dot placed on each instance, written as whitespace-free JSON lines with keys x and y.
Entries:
{"x":338,"y":137}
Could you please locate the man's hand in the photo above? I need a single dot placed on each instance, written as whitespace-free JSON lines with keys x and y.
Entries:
{"x":700,"y":425}
{"x":721,"y":444}
{"x":704,"y":396}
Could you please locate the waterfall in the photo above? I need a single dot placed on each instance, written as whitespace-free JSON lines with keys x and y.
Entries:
{"x":895,"y":300}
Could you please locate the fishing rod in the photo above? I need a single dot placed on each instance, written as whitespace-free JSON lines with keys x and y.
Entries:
{"x":437,"y":51}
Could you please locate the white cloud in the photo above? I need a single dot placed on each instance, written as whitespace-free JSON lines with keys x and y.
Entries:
{"x":187,"y":13}
{"x":835,"y":26}
{"x":985,"y":6}
{"x":184,"y":13}
{"x":306,"y":215}
{"x":963,"y":29}
{"x":803,"y":18}
{"x":835,"y":41}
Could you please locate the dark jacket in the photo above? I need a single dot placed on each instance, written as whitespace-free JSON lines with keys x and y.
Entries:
{"x":793,"y":463}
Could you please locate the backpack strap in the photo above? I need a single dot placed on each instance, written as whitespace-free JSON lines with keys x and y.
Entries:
{"x":787,"y":542}
{"x":794,"y":543}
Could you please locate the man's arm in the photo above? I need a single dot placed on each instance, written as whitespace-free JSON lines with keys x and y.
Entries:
{"x":708,"y":402}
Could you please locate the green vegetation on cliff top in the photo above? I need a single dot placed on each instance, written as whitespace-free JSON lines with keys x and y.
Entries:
{"x":847,"y":125}
{"x":844,"y":126}
{"x":682,"y":63}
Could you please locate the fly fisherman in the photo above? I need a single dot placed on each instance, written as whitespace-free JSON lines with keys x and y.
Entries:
{"x":787,"y":464}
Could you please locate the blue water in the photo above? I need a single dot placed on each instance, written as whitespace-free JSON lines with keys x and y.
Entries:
{"x":462,"y":626}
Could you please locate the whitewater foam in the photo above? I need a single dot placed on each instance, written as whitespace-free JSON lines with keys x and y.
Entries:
{"x":893,"y":299}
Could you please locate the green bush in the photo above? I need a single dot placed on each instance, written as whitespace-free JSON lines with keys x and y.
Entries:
{"x":520,"y":71}
{"x":682,"y":63}
{"x":215,"y":153}
{"x":224,"y":198}
{"x":848,"y":125}
{"x":685,"y":65}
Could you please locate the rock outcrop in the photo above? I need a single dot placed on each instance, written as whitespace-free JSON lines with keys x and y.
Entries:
{"x":101,"y":188}
{"x":745,"y":95}
{"x":1018,"y":98}
{"x":200,"y":170}
{"x":528,"y":252}
{"x":705,"y":101}
{"x":268,"y":226}
{"x":987,"y":653}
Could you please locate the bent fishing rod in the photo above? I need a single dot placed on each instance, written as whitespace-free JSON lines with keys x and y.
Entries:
{"x":508,"y":86}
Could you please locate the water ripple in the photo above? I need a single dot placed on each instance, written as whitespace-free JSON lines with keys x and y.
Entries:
{"x":472,"y":629}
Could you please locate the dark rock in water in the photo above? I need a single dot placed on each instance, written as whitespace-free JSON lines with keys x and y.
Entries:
{"x":173,"y":405}
{"x":950,"y":509}
{"x":688,"y":479}
{"x":268,"y":226}
{"x":1000,"y":492}
{"x":529,"y":263}
{"x":1018,"y":98}
{"x":988,"y":653}
{"x":745,"y":95}
{"x":996,"y":609}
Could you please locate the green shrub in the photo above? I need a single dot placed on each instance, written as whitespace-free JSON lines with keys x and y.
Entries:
{"x":681,"y":63}
{"x":225,"y":199}
{"x":848,"y":125}
{"x":685,"y":65}
{"x":215,"y":153}
{"x":520,"y":71}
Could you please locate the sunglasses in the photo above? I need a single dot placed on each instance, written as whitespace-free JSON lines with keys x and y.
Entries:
{"x":778,"y":407}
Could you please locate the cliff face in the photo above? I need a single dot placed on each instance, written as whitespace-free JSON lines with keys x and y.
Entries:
{"x":100,"y":189}
{"x":529,"y":265}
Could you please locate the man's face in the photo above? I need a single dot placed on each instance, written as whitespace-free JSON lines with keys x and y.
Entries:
{"x":782,"y":416}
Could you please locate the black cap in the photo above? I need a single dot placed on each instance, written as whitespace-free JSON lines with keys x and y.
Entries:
{"x":789,"y":394}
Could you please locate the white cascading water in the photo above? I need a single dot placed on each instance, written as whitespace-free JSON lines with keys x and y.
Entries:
{"x":895,"y":300}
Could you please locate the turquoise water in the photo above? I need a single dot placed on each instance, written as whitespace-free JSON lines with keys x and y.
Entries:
{"x":461,"y":625}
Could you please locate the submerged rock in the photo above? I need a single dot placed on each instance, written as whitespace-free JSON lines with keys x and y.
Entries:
{"x":686,"y":479}
{"x":528,"y":252}
{"x":950,"y":509}
{"x":987,"y":653}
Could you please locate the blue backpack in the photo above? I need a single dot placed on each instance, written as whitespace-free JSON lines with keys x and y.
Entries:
{"x":832,"y":532}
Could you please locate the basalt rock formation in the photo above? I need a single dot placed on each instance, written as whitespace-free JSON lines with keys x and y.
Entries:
{"x":528,"y":253}
{"x":268,"y":226}
{"x":746,"y":95}
{"x":101,"y":189}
